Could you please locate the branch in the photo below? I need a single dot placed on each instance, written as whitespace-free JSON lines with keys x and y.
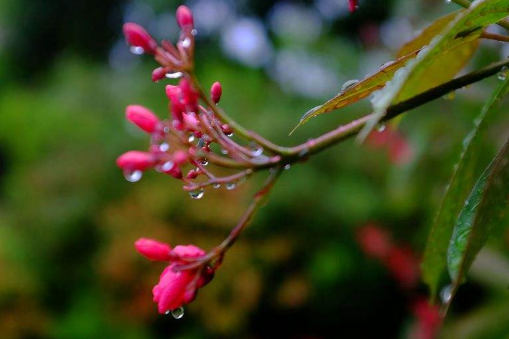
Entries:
{"x":218,"y":252}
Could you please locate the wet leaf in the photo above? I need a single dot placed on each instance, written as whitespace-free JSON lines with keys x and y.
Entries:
{"x":484,"y":208}
{"x":414,"y":77}
{"x":462,"y":181}
{"x":450,"y":64}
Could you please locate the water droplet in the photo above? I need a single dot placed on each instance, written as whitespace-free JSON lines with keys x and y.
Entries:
{"x":174,"y":75}
{"x":229,"y":135}
{"x":204,"y":161}
{"x":386,"y":64}
{"x":502,"y":75}
{"x":167,"y":312}
{"x":164,"y":147}
{"x":166,"y":129}
{"x":186,"y":43}
{"x":287,"y":167}
{"x":446,"y":294}
{"x":194,"y":32}
{"x":137,"y":50}
{"x":200,"y":143}
{"x":197,"y":194}
{"x":450,"y":96}
{"x":256,"y":150}
{"x":349,"y":84}
{"x":224,"y":151}
{"x":133,"y":176}
{"x":178,"y":313}
{"x":216,"y":185}
{"x":381,"y":128}
{"x":191,"y":138}
{"x":448,"y":1}
{"x":167,"y":166}
{"x":230,"y":186}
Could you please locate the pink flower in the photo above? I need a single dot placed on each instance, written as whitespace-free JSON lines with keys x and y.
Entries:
{"x":137,"y":36}
{"x":175,"y":288}
{"x":136,"y":160}
{"x":185,"y":17}
{"x":142,"y":117}
{"x":215,"y":91}
{"x":154,"y":250}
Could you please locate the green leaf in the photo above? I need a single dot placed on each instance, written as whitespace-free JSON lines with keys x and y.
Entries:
{"x":462,"y":181}
{"x":413,"y":78}
{"x":484,"y":208}
{"x":450,"y":64}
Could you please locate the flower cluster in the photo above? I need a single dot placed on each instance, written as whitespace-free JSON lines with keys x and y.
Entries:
{"x":175,"y":288}
{"x":195,"y":133}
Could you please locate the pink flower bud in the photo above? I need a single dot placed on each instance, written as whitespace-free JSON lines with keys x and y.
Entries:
{"x":142,"y":117}
{"x":173,"y":170}
{"x":226,"y":129}
{"x":137,"y":36}
{"x":159,"y":74}
{"x":215,"y":92}
{"x":154,"y":250}
{"x":185,"y":17}
{"x":189,"y":95}
{"x":180,"y":157}
{"x":192,"y":174}
{"x":136,"y":160}
{"x":190,"y":121}
{"x":353,"y":5}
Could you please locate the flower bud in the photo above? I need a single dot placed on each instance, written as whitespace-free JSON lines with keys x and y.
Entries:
{"x":137,"y":36}
{"x":180,"y":157}
{"x":353,"y":4}
{"x":154,"y":250}
{"x":136,"y":160}
{"x":192,"y":174}
{"x":185,"y":17}
{"x":142,"y":117}
{"x":174,"y":171}
{"x":190,"y":121}
{"x":159,"y":74}
{"x":216,"y":91}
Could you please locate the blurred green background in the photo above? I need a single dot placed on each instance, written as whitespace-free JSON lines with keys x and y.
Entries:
{"x":68,"y":219}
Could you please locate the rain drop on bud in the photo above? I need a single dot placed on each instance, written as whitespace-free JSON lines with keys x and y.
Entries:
{"x":137,"y":50}
{"x":502,"y":75}
{"x":230,"y":186}
{"x":178,"y":313}
{"x":287,"y":167}
{"x":381,"y":128}
{"x":197,"y":194}
{"x":446,"y":294}
{"x":174,"y":75}
{"x":133,"y":176}
{"x":216,"y":185}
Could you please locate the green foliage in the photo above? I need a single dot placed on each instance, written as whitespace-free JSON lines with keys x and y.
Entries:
{"x":461,"y":183}
{"x":484,"y":208}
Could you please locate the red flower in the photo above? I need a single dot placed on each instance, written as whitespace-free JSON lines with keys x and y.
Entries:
{"x":137,"y":36}
{"x":185,"y":17}
{"x":136,"y":160}
{"x":142,"y":117}
{"x":175,"y":288}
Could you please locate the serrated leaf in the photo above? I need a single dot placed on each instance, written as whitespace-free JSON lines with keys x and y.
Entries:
{"x":463,"y":179}
{"x":484,"y":208}
{"x":408,"y":81}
